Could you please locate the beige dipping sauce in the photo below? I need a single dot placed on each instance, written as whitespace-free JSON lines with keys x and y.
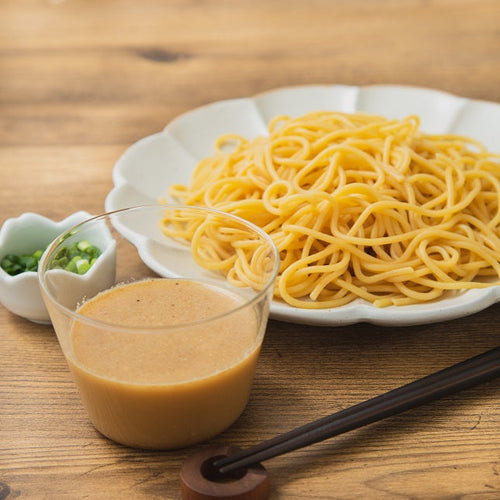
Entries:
{"x":168,"y":389}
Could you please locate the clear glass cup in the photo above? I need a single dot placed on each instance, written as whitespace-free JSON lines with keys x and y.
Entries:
{"x":162,"y":331}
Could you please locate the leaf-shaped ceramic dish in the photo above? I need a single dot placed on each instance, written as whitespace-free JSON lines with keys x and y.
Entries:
{"x":29,"y":232}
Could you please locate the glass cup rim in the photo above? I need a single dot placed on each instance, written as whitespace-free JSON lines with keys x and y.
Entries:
{"x":165,"y":328}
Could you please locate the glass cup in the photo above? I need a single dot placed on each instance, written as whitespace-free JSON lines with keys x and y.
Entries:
{"x":163,"y":329}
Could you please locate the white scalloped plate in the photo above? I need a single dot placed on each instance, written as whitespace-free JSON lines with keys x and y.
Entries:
{"x":146,"y":169}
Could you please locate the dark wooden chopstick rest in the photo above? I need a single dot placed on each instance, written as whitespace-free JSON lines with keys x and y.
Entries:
{"x":201,"y":481}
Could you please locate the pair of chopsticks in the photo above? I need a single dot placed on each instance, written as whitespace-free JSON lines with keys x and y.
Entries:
{"x":442,"y":383}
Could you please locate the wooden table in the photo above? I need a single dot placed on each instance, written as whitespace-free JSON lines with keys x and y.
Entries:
{"x":80,"y":81}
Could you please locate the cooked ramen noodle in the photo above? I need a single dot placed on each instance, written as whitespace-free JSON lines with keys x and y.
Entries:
{"x":359,"y":206}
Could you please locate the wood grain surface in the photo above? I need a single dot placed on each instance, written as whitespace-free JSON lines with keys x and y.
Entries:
{"x":82,"y":80}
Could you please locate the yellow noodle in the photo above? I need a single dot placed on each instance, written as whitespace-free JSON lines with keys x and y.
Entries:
{"x":359,"y":206}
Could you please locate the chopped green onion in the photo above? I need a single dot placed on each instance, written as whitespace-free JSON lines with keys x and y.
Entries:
{"x":82,"y":266}
{"x":83,"y":245}
{"x":78,"y":258}
{"x":17,"y":264}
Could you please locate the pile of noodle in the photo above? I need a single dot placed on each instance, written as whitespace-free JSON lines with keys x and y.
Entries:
{"x":361,"y":206}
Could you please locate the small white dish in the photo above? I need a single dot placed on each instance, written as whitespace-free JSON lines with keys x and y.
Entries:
{"x":27,"y":233}
{"x":147,"y":168}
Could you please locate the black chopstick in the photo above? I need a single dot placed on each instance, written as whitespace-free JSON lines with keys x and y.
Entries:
{"x":444,"y":382}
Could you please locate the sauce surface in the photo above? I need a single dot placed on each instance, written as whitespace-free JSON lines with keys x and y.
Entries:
{"x":165,"y":387}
